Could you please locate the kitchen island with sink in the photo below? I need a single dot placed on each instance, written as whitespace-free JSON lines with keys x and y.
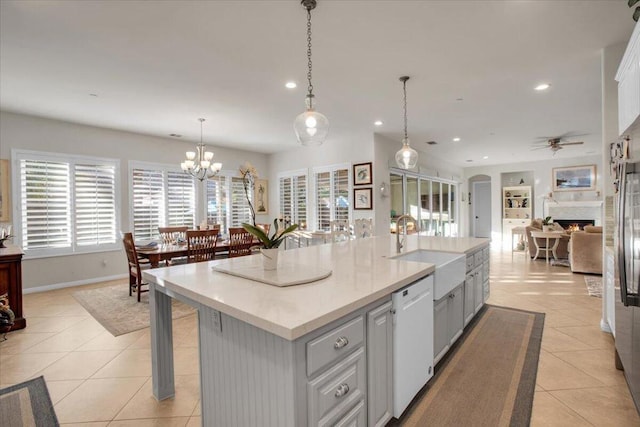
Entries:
{"x":313,"y":354}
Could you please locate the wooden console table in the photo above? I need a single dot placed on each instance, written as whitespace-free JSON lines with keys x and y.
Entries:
{"x":11,"y":281}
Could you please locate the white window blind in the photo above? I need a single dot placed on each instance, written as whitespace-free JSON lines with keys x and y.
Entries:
{"x":161,"y":197}
{"x":239,"y":208}
{"x":217,"y":191}
{"x":293,"y":198}
{"x":67,"y":203}
{"x":332,"y":200}
{"x":46,"y":204}
{"x":181,"y":199}
{"x":148,"y":203}
{"x":95,"y":204}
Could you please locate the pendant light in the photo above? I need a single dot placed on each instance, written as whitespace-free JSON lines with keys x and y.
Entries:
{"x":198,"y":163}
{"x":406,"y":157}
{"x":311,"y":127}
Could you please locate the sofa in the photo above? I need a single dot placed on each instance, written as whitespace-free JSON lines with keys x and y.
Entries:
{"x":562,"y":250}
{"x":585,"y":250}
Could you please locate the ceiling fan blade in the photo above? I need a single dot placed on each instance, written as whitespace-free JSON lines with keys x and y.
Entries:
{"x":539,"y":148}
{"x":571,"y":143}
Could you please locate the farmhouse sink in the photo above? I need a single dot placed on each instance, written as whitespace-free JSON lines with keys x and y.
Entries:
{"x":450,"y":268}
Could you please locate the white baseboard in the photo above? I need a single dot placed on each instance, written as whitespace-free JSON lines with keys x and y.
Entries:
{"x":37,"y":289}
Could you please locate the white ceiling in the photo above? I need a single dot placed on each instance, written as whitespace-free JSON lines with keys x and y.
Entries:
{"x":157,"y":66}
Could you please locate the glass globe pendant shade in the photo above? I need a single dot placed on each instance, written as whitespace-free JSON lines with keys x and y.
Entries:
{"x":406,"y":157}
{"x":311,"y":127}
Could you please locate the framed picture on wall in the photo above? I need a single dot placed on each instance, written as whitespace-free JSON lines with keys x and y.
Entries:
{"x":574,"y":178}
{"x":362,"y":198}
{"x":5,"y":211}
{"x":261,"y":196}
{"x":362,"y":174}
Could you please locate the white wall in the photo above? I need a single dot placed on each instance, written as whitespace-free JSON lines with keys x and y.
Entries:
{"x":33,"y":133}
{"x":542,"y":171}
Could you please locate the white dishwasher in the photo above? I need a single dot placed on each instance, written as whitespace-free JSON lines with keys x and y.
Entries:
{"x":412,"y":341}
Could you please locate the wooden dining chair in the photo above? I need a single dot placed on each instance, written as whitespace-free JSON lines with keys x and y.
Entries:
{"x":201,"y":245}
{"x":135,"y":271}
{"x":170,"y":235}
{"x":240,"y":241}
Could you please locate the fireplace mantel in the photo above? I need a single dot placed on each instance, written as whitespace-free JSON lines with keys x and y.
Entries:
{"x":582,"y":209}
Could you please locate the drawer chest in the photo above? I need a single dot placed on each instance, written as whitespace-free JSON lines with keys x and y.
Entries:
{"x":11,"y":282}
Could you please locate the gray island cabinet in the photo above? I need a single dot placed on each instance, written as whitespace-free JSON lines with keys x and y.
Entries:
{"x":318,"y":354}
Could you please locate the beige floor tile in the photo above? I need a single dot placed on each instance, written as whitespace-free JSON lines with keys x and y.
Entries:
{"x":550,"y":412}
{"x":69,"y":339}
{"x":144,"y":405}
{"x":186,"y":361}
{"x":97,"y":399}
{"x":106,"y":341}
{"x":599,"y":364}
{"x":96,"y":424}
{"x":556,"y":374}
{"x":590,"y":335}
{"x":129,"y":363}
{"x":18,"y":342}
{"x":606,"y":406}
{"x":198,"y":410}
{"x":18,"y":368}
{"x":553,"y":340}
{"x":194,"y":422}
{"x":78,"y":365}
{"x":153,"y":422}
{"x":53,"y":324}
{"x":556,"y":318}
{"x":59,"y":389}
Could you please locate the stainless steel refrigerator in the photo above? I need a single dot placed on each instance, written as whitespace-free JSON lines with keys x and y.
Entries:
{"x":628,"y":259}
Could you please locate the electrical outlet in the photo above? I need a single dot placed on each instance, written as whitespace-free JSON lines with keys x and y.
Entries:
{"x":217,"y":321}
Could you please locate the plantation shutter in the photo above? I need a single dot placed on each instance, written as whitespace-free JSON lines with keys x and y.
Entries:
{"x":46,"y":201}
{"x":300,"y":201}
{"x":95,"y":204}
{"x":286,"y":197}
{"x":181,"y":199}
{"x":341,"y":194}
{"x":323,"y":201}
{"x":239,"y":207}
{"x":148,"y":203}
{"x":217,"y":202}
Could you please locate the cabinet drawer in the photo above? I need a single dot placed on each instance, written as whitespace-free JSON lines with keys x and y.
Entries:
{"x":485,"y":270}
{"x":477,"y":259}
{"x":335,"y":391}
{"x":470,"y":263}
{"x":354,"y":418}
{"x":485,"y":253}
{"x":333,"y":345}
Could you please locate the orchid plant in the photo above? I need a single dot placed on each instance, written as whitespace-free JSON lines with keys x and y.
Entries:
{"x":249,"y":174}
{"x":278,"y":236}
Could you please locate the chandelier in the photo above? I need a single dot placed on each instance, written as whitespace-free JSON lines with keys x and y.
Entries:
{"x":311,"y":127}
{"x":406,"y":157}
{"x":198,"y":163}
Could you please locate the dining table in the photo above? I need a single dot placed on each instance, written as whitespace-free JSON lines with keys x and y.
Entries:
{"x":168,"y":251}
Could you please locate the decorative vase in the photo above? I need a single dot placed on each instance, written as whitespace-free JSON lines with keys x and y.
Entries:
{"x":269,"y":258}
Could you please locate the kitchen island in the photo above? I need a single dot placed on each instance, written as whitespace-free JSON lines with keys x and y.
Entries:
{"x":312,"y":354}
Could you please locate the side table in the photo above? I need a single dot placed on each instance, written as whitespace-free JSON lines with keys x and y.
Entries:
{"x":548,"y":246}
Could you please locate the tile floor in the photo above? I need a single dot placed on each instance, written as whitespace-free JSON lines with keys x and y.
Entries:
{"x":98,"y":380}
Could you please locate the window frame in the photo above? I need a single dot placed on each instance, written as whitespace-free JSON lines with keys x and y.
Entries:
{"x":294,"y":174}
{"x":313,"y":193}
{"x":229,"y":176}
{"x":17,"y":155}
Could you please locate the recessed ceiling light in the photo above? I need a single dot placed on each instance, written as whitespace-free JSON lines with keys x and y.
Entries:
{"x":378,"y":123}
{"x":456,"y":139}
{"x":291,"y":85}
{"x":485,"y":157}
{"x":542,"y":86}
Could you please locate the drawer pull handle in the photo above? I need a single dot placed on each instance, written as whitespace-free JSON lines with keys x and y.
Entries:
{"x":342,"y":390}
{"x":340,"y":343}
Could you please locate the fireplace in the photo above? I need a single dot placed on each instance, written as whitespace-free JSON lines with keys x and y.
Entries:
{"x":569,"y":223}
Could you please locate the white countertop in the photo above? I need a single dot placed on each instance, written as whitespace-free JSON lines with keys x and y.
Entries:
{"x":362,"y":274}
{"x":11,"y":249}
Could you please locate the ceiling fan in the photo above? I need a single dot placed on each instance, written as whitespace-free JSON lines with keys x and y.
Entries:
{"x":556,"y":143}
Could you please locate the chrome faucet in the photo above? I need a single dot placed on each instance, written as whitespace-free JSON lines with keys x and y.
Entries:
{"x":400,"y":244}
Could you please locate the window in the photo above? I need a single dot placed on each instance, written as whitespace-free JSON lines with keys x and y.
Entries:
{"x":67,"y":203}
{"x":226,"y":202}
{"x":161,"y":196}
{"x":293,"y":197}
{"x":332,"y":198}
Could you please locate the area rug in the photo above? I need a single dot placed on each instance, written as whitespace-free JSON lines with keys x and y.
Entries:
{"x":120,"y":313}
{"x":488,"y":378}
{"x":594,"y":285}
{"x":27,"y":404}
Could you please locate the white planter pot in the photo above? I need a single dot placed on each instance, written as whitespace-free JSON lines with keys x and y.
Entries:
{"x":269,"y":258}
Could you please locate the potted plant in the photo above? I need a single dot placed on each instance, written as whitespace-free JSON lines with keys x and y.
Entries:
{"x":547,"y":224}
{"x":270,"y":244}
